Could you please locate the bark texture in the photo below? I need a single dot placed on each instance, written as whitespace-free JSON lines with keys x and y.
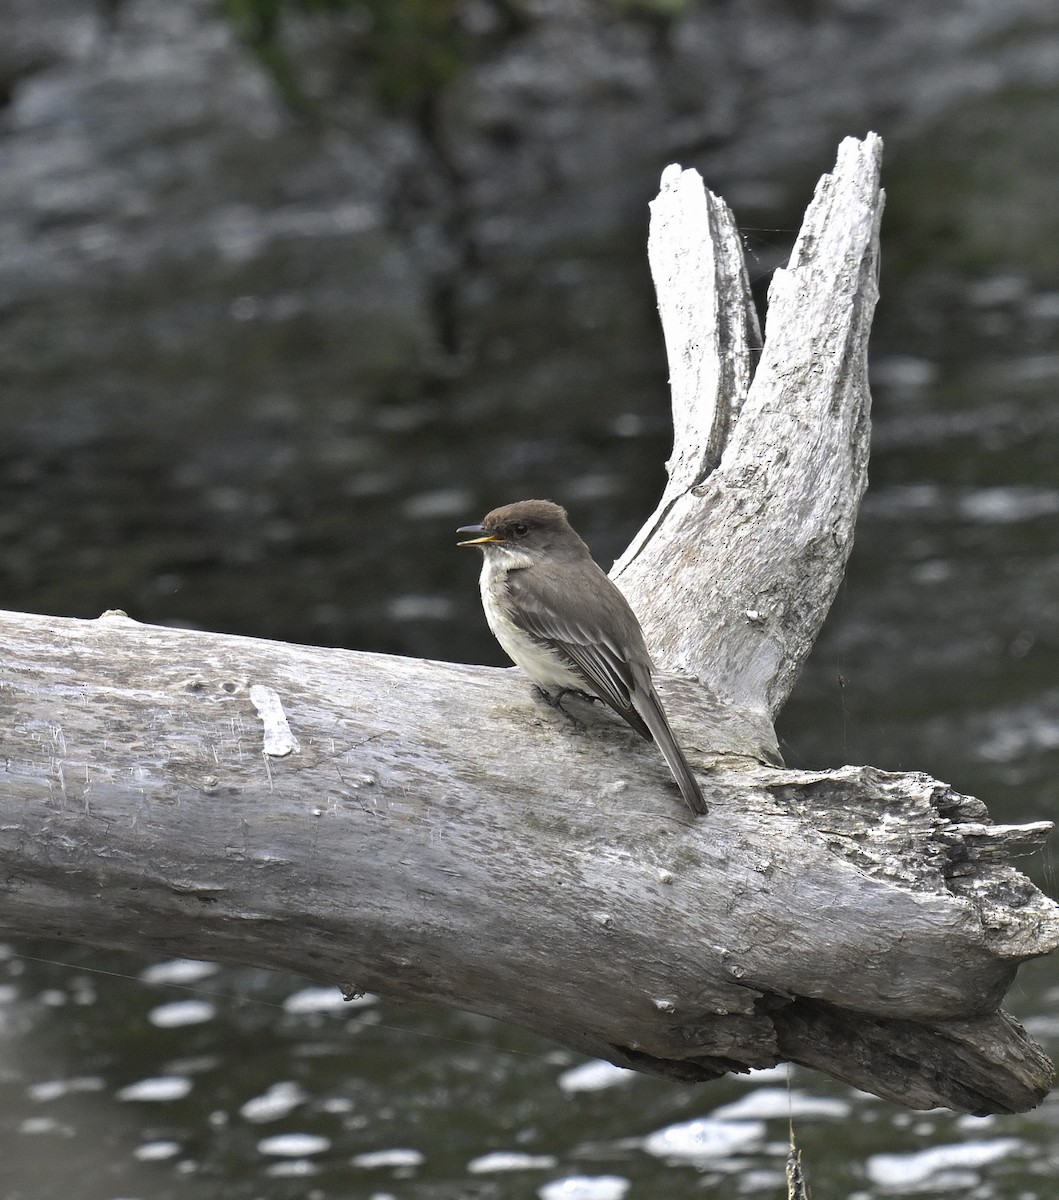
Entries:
{"x":754,"y":549}
{"x":429,"y":830}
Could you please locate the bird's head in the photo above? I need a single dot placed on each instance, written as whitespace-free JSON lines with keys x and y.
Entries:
{"x":528,"y":525}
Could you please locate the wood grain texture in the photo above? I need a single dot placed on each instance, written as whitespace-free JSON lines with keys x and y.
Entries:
{"x":753,"y":551}
{"x":437,"y":833}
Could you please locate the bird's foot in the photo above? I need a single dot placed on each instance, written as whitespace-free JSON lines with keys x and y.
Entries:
{"x":555,"y":700}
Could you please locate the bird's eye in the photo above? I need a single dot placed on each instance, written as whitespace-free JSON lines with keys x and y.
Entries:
{"x":520,"y":529}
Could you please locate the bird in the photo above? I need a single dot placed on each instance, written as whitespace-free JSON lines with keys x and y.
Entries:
{"x":558,"y":617}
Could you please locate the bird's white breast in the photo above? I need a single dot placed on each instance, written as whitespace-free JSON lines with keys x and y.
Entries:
{"x":542,"y":665}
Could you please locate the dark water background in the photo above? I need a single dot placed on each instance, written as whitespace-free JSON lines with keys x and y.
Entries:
{"x":230,"y":400}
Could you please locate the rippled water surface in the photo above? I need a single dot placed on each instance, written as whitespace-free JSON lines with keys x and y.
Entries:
{"x":330,"y":521}
{"x":193,"y":1080}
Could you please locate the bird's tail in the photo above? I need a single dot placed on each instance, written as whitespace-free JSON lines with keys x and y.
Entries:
{"x":650,"y":709}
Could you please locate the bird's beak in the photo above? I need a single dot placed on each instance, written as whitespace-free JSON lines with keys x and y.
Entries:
{"x":484,"y":535}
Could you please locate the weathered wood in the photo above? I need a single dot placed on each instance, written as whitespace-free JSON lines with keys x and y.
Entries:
{"x":429,"y":830}
{"x":438,"y":834}
{"x":759,"y":543}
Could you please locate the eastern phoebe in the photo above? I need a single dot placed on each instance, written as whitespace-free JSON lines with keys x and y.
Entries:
{"x":567,"y":626}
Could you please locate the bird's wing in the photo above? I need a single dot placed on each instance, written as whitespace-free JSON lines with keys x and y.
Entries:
{"x":608,"y":673}
{"x":605,"y":668}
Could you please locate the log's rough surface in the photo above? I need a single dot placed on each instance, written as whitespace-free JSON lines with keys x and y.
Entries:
{"x":430,"y":830}
{"x":754,"y":549}
{"x":471,"y":848}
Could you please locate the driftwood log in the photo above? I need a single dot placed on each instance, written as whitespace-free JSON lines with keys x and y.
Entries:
{"x":429,"y":830}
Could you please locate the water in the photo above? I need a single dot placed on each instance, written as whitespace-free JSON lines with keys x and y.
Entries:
{"x":112,"y":1090}
{"x":294,"y":510}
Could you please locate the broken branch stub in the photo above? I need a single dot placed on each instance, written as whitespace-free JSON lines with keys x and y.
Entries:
{"x":750,"y":553}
